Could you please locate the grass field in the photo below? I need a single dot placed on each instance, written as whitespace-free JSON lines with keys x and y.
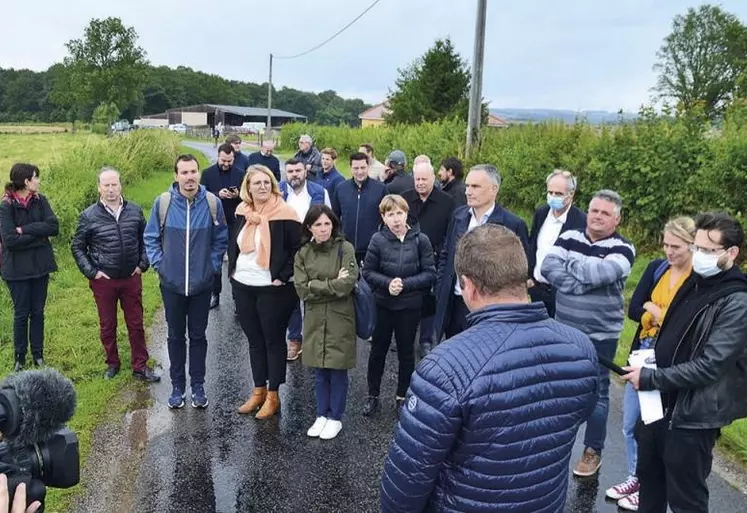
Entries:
{"x":71,"y":332}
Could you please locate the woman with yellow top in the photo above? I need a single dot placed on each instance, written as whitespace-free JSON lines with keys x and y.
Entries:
{"x":648,"y":306}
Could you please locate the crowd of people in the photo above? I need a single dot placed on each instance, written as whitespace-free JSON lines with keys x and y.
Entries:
{"x":488,"y":418}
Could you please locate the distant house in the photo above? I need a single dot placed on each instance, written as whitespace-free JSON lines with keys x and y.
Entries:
{"x":374,"y":116}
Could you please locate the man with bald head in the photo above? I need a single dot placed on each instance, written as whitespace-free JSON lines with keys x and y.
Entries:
{"x":431,"y":209}
{"x":265,"y":157}
{"x":109,"y":250}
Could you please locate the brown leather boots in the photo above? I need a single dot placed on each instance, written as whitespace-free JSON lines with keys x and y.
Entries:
{"x":268,"y":401}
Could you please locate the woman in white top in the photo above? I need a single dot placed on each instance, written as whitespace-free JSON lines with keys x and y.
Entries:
{"x":261,"y":249}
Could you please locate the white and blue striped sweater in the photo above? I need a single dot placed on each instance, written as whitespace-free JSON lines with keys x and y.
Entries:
{"x":589,"y":278}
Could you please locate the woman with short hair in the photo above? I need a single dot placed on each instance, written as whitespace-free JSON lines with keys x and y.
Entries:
{"x":262,"y":245}
{"x":400,"y":268}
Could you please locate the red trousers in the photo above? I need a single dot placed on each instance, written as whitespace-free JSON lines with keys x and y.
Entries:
{"x":129,"y":293}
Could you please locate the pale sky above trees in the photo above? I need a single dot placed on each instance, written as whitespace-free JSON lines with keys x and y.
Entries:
{"x":575,"y":54}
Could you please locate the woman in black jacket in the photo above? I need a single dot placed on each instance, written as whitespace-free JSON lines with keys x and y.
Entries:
{"x":400,"y":268}
{"x":26,"y":223}
{"x":261,"y":249}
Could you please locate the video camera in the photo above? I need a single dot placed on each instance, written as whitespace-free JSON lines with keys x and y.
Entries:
{"x":36,"y":448}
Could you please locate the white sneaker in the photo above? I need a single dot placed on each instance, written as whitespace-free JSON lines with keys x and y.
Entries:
{"x":316,"y":429}
{"x":331,"y":429}
{"x":629,"y":503}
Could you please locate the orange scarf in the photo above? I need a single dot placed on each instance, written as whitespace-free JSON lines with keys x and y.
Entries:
{"x":275,"y":209}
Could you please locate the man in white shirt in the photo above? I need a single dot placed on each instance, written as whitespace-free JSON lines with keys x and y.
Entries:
{"x":558,"y":215}
{"x":483,"y":183}
{"x":300,"y":194}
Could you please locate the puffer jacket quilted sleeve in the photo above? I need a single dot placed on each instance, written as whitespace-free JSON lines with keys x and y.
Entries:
{"x":491,"y":416}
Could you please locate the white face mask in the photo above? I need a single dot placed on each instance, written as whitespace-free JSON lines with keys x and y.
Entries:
{"x":706,"y":265}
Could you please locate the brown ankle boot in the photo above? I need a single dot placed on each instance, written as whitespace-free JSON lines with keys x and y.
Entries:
{"x":257,"y":399}
{"x":271,"y":406}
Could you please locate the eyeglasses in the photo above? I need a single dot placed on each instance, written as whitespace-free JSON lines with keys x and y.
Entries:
{"x":707,"y":251}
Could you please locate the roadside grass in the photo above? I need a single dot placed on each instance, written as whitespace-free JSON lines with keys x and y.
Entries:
{"x":38,"y":149}
{"x":71,"y":332}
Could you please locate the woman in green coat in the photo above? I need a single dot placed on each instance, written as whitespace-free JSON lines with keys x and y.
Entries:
{"x":325,"y":274}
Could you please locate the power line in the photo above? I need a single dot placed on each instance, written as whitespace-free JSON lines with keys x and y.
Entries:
{"x":343,"y":29}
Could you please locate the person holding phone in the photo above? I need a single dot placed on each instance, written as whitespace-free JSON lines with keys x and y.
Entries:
{"x":224,"y":180}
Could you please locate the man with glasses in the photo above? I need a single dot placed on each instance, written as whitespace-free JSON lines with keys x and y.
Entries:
{"x":550,"y":220}
{"x":701,"y":372}
{"x":588,"y":269}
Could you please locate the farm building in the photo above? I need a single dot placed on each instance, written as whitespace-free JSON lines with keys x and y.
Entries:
{"x":209,"y":114}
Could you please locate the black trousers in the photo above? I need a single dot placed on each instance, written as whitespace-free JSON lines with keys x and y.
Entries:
{"x":673,"y":465}
{"x":404,"y":325}
{"x":544,"y":293}
{"x":29,"y":298}
{"x":457,"y":321}
{"x":263,"y":315}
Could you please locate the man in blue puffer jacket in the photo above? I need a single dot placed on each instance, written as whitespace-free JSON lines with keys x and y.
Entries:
{"x":491,"y":415}
{"x":186,"y":250}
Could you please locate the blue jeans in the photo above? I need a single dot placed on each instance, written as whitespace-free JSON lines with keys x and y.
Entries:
{"x":596,"y":425}
{"x":331,"y":387}
{"x":186,"y":314}
{"x":631,"y":414}
{"x":295,"y":324}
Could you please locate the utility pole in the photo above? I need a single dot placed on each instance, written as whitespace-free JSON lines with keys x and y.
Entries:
{"x":475,"y":92}
{"x":268,"y":128}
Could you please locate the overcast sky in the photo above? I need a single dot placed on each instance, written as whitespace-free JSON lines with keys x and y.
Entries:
{"x":572,"y":54}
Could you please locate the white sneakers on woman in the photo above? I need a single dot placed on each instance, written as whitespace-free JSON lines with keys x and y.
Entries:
{"x":325,"y":428}
{"x":331,"y":429}
{"x":316,"y":429}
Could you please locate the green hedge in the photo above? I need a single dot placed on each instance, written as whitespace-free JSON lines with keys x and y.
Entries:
{"x":662,"y":166}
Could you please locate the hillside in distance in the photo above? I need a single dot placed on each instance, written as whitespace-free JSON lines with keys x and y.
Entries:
{"x":593,"y":117}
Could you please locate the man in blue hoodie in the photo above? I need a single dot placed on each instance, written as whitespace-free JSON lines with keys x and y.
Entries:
{"x":356,"y":203}
{"x":185,"y":238}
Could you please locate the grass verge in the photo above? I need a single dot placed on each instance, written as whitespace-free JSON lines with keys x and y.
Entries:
{"x":71,"y":333}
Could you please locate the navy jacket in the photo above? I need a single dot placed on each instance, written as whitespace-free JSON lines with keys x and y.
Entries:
{"x":412,"y":260}
{"x":330,"y":180}
{"x":315,"y":190}
{"x":576,"y":220}
{"x":29,"y":254}
{"x":491,"y":416}
{"x":446,"y":275}
{"x":358,"y":210}
{"x":271,"y":162}
{"x":214,"y":180}
{"x":651,"y":276}
{"x":240,"y":160}
{"x":188,"y":252}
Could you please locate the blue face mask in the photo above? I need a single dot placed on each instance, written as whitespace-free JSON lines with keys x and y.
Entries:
{"x":554,"y":202}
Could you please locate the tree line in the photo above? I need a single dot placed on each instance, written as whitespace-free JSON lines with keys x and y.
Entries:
{"x":107,"y":67}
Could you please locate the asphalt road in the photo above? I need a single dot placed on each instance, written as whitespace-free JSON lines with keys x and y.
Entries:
{"x":216,"y":460}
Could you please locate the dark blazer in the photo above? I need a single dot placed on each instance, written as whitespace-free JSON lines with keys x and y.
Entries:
{"x":576,"y":220}
{"x":213,"y":180}
{"x":432,"y":216}
{"x":400,"y":182}
{"x":457,"y":190}
{"x":29,"y":254}
{"x":446,"y":275}
{"x":285,"y":240}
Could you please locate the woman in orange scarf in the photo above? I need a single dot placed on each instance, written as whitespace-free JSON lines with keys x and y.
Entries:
{"x":261,"y":249}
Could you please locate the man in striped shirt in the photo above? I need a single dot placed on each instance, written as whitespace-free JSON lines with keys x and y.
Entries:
{"x":588,"y":270}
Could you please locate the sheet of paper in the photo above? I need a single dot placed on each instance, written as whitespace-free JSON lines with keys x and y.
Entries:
{"x":650,"y":400}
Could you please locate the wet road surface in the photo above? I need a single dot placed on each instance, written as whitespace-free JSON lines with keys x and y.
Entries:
{"x":216,"y":460}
